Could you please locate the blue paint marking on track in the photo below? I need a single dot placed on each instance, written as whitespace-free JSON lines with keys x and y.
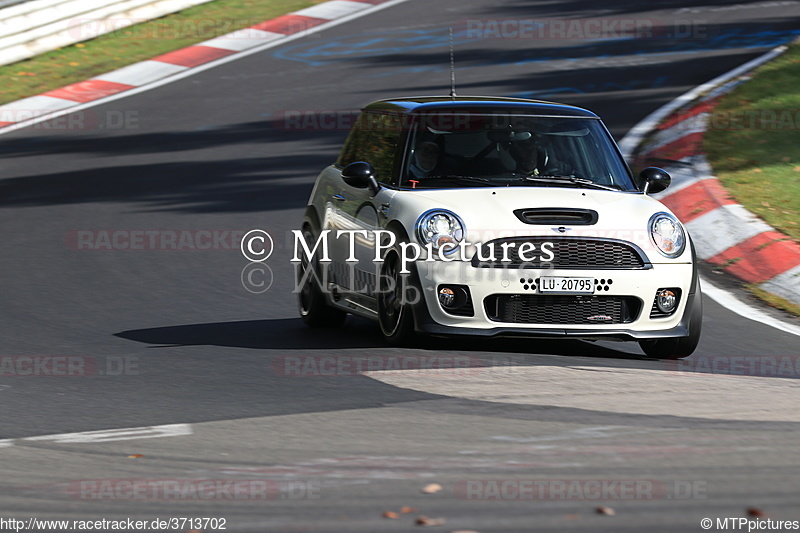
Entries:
{"x":367,"y":45}
{"x":404,"y":42}
{"x":594,"y":88}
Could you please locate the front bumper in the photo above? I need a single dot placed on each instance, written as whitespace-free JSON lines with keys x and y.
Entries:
{"x":483,"y":283}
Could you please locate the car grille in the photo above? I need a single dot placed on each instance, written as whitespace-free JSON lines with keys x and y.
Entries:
{"x":562,"y":309}
{"x":568,"y":253}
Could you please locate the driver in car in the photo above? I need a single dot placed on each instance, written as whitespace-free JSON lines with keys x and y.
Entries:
{"x":533,"y":160}
{"x":426,"y":156}
{"x":526,"y":155}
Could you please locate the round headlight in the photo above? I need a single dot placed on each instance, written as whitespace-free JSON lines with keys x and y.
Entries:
{"x":667,"y":234}
{"x":440,"y":228}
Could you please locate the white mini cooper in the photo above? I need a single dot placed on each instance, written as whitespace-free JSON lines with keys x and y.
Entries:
{"x":495,"y":217}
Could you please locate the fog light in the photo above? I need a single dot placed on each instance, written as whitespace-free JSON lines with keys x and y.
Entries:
{"x":666,"y":300}
{"x":447,"y":297}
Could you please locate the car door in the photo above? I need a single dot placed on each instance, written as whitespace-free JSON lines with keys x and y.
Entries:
{"x":375,"y":139}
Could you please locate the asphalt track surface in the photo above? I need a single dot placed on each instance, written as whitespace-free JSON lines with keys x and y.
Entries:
{"x":173,"y":337}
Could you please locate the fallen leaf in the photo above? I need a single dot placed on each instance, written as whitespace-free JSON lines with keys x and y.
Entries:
{"x":757,"y":170}
{"x":606,"y":511}
{"x":425,"y":521}
{"x":407,"y":510}
{"x":73,"y":63}
{"x":135,"y":456}
{"x":431,"y":488}
{"x":796,"y":169}
{"x":79,"y":45}
{"x":755,"y":511}
{"x":390,"y":514}
{"x":765,"y":204}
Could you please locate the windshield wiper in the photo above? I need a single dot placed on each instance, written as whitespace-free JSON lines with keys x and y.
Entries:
{"x":470,"y":179}
{"x":544,"y":178}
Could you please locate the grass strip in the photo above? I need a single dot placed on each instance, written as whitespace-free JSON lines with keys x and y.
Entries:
{"x":753,"y":142}
{"x":136,"y":43}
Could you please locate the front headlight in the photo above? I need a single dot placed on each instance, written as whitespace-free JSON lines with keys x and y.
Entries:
{"x":667,"y":234}
{"x":441,"y":228}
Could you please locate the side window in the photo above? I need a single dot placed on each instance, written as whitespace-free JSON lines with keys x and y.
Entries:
{"x":382,"y":144}
{"x":353,"y":149}
{"x":374,"y":139}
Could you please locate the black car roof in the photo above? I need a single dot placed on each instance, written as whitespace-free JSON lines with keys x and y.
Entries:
{"x":419,"y":104}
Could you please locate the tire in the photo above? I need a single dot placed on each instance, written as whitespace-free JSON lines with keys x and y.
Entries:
{"x":682,"y":346}
{"x":314,"y":310}
{"x":396,"y":293}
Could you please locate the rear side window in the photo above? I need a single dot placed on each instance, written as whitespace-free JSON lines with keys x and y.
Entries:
{"x":374,"y":138}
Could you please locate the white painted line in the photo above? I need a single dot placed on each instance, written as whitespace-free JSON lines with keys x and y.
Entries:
{"x":722,"y":228}
{"x":196,"y":70}
{"x":141,"y":73}
{"x":695,"y":124}
{"x":333,"y":9}
{"x":8,"y":443}
{"x":242,"y":40}
{"x":109,"y":435}
{"x":786,"y":285}
{"x":682,"y":177}
{"x":695,"y":169}
{"x":703,"y":167}
{"x":632,"y":139}
{"x":38,"y":103}
{"x":729,"y":301}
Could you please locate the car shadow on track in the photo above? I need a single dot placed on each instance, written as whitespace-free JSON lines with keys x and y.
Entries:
{"x":284,"y":334}
{"x":292,"y":334}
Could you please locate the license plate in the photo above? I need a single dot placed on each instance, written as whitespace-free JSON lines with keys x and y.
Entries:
{"x":566,"y":285}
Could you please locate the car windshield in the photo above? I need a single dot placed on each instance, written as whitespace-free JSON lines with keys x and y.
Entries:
{"x":478,"y":150}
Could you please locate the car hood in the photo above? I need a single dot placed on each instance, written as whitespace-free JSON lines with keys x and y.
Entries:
{"x":488,"y":213}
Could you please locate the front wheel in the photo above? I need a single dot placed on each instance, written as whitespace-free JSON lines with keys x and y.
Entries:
{"x":314,"y":310}
{"x":396,"y":294}
{"x":682,"y":346}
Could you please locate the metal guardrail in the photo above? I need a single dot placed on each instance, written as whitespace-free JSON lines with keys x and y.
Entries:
{"x":32,"y":27}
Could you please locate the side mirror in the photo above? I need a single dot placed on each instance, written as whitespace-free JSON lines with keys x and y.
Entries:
{"x":361,"y":175}
{"x":654,"y":179}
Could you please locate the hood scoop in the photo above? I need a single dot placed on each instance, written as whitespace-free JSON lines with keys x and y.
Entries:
{"x":557,"y":215}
